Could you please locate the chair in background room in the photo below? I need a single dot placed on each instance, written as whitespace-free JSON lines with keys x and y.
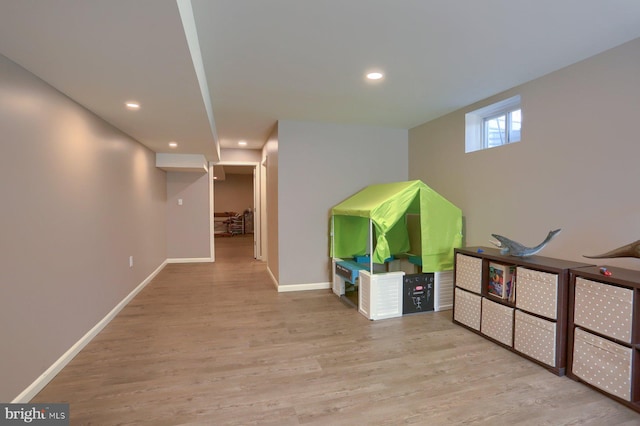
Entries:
{"x":236,"y":225}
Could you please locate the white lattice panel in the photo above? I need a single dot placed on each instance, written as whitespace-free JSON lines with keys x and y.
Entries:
{"x":467,"y":308}
{"x":443,"y":291}
{"x":380,"y":295}
{"x":337,"y":284}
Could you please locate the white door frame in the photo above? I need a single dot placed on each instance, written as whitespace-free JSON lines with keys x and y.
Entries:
{"x":257,"y":205}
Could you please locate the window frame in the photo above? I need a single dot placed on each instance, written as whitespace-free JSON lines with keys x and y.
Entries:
{"x":476,"y":133}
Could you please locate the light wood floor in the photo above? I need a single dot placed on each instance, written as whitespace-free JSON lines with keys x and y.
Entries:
{"x":215,"y":344}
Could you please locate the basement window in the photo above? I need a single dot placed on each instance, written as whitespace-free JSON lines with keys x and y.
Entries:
{"x":494,"y":125}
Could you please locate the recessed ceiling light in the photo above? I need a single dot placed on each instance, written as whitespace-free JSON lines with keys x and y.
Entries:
{"x":242,"y":143}
{"x":375,"y":75}
{"x":132,"y":105}
{"x":173,"y":144}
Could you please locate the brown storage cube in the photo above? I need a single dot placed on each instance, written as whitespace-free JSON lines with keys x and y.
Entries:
{"x":467,"y":309}
{"x":604,"y":308}
{"x":469,"y":272}
{"x":602,"y":363}
{"x":537,"y":292}
{"x":497,"y":321}
{"x":535,"y":337}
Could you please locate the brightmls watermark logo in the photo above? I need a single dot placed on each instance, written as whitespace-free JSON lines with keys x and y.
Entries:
{"x":34,"y":414}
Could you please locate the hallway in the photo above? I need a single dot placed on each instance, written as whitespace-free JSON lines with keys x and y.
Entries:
{"x":237,"y":249}
{"x":216,"y":344}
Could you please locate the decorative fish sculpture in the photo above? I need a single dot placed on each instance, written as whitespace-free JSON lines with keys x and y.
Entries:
{"x":514,"y":248}
{"x":630,"y":250}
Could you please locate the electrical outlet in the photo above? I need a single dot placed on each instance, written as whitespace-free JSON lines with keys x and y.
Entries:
{"x":130,"y":261}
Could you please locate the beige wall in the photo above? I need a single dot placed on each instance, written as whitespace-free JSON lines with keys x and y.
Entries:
{"x":188,"y":225}
{"x":270,"y":222}
{"x":234,"y":194}
{"x":576,"y":167}
{"x":320,"y":165}
{"x":229,"y":155}
{"x":78,"y":198}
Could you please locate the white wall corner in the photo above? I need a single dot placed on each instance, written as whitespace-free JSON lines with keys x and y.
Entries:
{"x":273,"y":278}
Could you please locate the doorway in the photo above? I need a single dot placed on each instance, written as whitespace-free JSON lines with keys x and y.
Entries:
{"x":235,"y":209}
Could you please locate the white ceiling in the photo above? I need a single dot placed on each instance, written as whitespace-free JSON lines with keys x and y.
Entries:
{"x":298,"y":60}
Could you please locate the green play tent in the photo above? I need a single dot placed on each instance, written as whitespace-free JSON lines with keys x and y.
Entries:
{"x":376,"y":220}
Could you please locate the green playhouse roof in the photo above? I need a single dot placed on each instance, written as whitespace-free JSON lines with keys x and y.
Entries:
{"x":385,"y":205}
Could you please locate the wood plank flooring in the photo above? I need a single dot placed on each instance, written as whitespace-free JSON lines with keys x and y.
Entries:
{"x":215,"y":344}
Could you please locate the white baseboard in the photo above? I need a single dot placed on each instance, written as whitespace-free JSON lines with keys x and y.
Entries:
{"x":35,"y":387}
{"x":296,"y":287}
{"x":190,"y":260}
{"x":303,"y":287}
